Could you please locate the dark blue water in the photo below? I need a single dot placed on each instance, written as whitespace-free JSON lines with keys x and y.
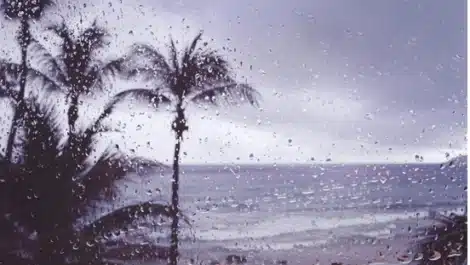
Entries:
{"x":315,"y":188}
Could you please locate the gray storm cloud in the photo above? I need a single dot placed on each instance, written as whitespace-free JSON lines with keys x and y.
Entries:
{"x":380,"y":81}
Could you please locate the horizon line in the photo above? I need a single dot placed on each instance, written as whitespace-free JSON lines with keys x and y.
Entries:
{"x":314,"y":163}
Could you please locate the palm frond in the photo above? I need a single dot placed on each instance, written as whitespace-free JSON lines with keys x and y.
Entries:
{"x":142,"y":94}
{"x":146,"y":73}
{"x":194,"y":43}
{"x":74,"y":57}
{"x":148,"y":63}
{"x":123,"y":217}
{"x":9,"y":74}
{"x":10,"y":68}
{"x":63,"y":32}
{"x":96,"y":126}
{"x":230,"y":94}
{"x":7,"y":84}
{"x":45,"y":61}
{"x":82,"y":70}
{"x":78,"y":148}
{"x":47,"y":84}
{"x":93,"y":37}
{"x":8,"y":93}
{"x":41,"y":137}
{"x":105,"y":72}
{"x":112,"y":68}
{"x":100,"y":178}
{"x":156,"y":59}
{"x":10,"y":77}
{"x":99,"y":181}
{"x":152,"y":97}
{"x":206,"y":68}
{"x":174,"y":57}
{"x":190,"y":50}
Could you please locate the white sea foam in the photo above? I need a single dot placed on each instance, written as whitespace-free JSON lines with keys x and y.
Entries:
{"x":380,"y":233}
{"x":281,"y":225}
{"x":276,"y":245}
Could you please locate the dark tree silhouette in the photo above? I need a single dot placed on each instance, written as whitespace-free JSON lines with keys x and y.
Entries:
{"x":58,"y":181}
{"x":24,"y":11}
{"x":76,"y":68}
{"x":195,"y":75}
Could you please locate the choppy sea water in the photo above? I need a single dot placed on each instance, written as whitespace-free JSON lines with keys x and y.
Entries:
{"x":265,"y":208}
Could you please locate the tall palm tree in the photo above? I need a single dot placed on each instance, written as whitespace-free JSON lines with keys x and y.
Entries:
{"x":57,"y":183}
{"x":195,"y":75}
{"x":24,"y":11}
{"x":76,"y":67}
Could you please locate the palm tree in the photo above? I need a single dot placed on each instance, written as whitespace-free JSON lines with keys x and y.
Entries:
{"x":76,"y":67}
{"x":58,"y":183}
{"x":195,"y":75}
{"x":24,"y":11}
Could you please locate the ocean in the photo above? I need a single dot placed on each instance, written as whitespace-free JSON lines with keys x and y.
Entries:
{"x":285,"y":212}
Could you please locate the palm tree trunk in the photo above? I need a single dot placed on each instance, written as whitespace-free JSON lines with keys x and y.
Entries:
{"x":179,"y":126}
{"x":175,"y":202}
{"x":21,"y":108}
{"x":72,"y":112}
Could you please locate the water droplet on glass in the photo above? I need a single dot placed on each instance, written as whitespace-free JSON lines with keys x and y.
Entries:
{"x":419,"y":256}
{"x":369,"y":116}
{"x":435,"y":256}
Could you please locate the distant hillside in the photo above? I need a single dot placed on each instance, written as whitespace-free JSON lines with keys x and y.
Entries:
{"x":459,"y":161}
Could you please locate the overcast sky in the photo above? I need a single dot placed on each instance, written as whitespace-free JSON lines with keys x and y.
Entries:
{"x":379,"y":81}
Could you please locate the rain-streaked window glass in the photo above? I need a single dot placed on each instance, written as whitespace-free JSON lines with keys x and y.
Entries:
{"x":233,"y":132}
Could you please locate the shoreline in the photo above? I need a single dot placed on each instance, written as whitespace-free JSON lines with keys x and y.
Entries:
{"x":380,"y":252}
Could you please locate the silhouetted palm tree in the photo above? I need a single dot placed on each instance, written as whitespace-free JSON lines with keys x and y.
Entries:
{"x":24,"y":11}
{"x":76,"y":68}
{"x":58,"y":181}
{"x":195,"y":75}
